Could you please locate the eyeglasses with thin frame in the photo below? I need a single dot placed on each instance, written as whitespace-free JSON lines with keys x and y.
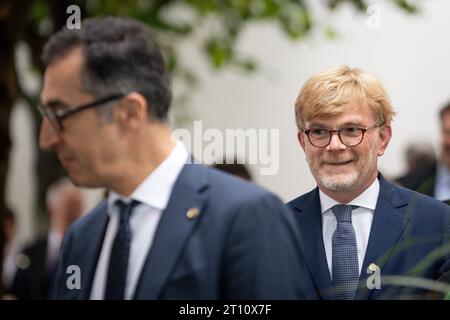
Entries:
{"x":57,"y":116}
{"x":350,"y":136}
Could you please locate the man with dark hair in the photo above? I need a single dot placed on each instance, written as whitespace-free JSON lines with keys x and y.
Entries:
{"x":168,"y":229}
{"x":35,"y":276}
{"x":10,"y":250}
{"x":235,"y":168}
{"x":420,"y":158}
{"x":437,"y":184}
{"x":433,"y":179}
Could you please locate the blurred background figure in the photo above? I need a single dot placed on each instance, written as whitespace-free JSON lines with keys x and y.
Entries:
{"x":10,"y":249}
{"x":442,"y":176}
{"x":37,"y":264}
{"x":428,"y":176}
{"x":421,"y":163}
{"x":234,"y":168}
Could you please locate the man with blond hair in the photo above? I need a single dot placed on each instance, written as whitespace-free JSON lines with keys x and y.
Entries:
{"x":357,"y":229}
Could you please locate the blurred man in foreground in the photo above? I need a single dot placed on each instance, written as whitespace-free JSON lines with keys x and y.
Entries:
{"x":168,"y":229}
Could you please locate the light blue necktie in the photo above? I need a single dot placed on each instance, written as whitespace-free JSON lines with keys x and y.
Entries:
{"x":345,"y":269}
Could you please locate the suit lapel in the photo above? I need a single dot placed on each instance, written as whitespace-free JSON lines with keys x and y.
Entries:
{"x":94,"y":234}
{"x":173,"y":231}
{"x":387,"y":226}
{"x":308,"y":215}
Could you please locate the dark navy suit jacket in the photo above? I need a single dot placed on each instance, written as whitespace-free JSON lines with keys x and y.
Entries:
{"x":410,"y":236}
{"x":243,"y":245}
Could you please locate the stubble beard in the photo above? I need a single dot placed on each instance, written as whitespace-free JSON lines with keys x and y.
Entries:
{"x":343,"y":182}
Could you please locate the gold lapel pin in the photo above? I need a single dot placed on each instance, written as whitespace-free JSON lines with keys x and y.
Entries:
{"x":192,"y":213}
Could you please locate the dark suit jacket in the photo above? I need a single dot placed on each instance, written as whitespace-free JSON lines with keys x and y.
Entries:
{"x":243,"y":244}
{"x":33,"y":282}
{"x":406,"y":228}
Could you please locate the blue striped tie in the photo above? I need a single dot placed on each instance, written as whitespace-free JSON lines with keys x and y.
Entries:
{"x":120,"y":252}
{"x":345,"y":267}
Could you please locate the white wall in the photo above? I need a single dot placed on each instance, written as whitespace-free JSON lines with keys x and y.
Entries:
{"x":409,"y":54}
{"x":21,"y":179}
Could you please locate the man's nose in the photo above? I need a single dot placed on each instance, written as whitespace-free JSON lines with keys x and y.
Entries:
{"x":48,"y":136}
{"x":335,"y":143}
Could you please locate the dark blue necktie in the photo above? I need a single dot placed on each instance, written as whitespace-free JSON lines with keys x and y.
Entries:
{"x":345,"y":267}
{"x":120,"y":252}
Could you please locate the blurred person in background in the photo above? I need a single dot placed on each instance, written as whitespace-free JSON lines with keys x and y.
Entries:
{"x":421,"y":163}
{"x":433,"y":177}
{"x":235,"y":168}
{"x":10,"y":250}
{"x":38,"y":262}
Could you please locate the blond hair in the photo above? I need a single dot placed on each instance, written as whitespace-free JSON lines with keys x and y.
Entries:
{"x":340,"y":89}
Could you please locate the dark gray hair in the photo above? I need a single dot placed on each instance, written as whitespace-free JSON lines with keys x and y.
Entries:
{"x":120,"y":57}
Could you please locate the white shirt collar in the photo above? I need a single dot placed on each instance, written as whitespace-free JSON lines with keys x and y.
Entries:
{"x":442,"y":186}
{"x":443,"y":172}
{"x":54,"y":241}
{"x":156,"y":188}
{"x":367,"y":199}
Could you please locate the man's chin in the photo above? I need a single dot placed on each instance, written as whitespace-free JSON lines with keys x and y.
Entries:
{"x":339,"y":183}
{"x":76,"y":181}
{"x":81,"y":182}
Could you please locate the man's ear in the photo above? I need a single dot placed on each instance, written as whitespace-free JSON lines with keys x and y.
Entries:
{"x":301,"y":139}
{"x":385,"y":137}
{"x":133,"y":110}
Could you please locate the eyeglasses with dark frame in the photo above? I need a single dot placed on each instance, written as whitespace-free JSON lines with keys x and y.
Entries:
{"x":351,"y":136}
{"x":57,"y":116}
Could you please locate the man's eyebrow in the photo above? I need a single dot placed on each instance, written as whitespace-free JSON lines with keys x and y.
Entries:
{"x":317,"y":125}
{"x":345,"y":124}
{"x":54,"y":103}
{"x":352,"y":124}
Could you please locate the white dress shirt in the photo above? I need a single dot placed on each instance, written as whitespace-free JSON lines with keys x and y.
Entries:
{"x":153,"y":194}
{"x":54,"y":241}
{"x":442,"y":186}
{"x":362,"y":218}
